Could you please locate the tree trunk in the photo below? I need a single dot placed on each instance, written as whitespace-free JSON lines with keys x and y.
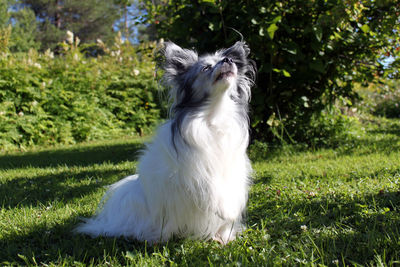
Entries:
{"x":57,"y":15}
{"x":126,"y":22}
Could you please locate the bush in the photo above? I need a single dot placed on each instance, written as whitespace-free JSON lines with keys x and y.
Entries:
{"x":327,"y":128}
{"x":73,"y":98}
{"x":388,"y":104}
{"x":381,"y":98}
{"x":309,"y":53}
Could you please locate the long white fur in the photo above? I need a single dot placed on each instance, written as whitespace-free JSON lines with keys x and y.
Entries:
{"x":192,"y":184}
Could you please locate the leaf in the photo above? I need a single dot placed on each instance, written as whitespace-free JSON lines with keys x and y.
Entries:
{"x":365,"y":28}
{"x":261,"y":32}
{"x":291,"y":48}
{"x":305,"y":101}
{"x":286,"y":73}
{"x":277,"y":19}
{"x":254,"y":21}
{"x":271,"y":30}
{"x":318,"y":33}
{"x":272,"y":121}
{"x":338,"y":36}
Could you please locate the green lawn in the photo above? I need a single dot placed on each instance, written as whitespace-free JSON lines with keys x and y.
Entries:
{"x":324,"y":207}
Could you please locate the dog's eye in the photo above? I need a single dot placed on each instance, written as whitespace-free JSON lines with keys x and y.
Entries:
{"x":206,"y":68}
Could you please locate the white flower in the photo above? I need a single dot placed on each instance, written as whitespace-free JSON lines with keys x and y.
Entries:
{"x":100,"y":42}
{"x":49,"y":54}
{"x":76,"y":57}
{"x":20,"y":114}
{"x":136,"y":72}
{"x":70,"y":37}
{"x":303,"y":227}
{"x":77,"y":40}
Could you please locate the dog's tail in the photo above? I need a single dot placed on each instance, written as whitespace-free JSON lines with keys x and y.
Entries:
{"x":122,"y":212}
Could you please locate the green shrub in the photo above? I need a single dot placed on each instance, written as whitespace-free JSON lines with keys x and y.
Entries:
{"x":331,"y":128}
{"x":381,"y":98}
{"x":327,"y":128}
{"x":72,"y":98}
{"x":388,"y":104}
{"x":308,"y":53}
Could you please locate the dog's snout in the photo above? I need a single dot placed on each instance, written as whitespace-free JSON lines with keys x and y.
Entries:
{"x":227,"y":60}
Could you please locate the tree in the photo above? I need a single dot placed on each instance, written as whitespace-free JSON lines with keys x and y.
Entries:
{"x":130,"y":13}
{"x":24,"y":31}
{"x":17,"y":28}
{"x":5,"y":29}
{"x":309,"y":53}
{"x":132,"y":23}
{"x":4,"y":13}
{"x":89,"y":20}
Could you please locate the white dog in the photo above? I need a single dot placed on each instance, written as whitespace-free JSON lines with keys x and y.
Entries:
{"x":193,"y":179}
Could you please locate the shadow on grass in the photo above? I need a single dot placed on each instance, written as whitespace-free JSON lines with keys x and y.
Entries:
{"x":339,"y":227}
{"x":389,"y":128}
{"x":55,"y":187}
{"x":65,"y":185}
{"x":59,"y":245}
{"x":84,"y":156}
{"x":55,"y":243}
{"x":383,"y":139}
{"x":366,"y":146}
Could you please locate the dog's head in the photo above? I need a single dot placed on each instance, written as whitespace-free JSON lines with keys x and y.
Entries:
{"x":196,"y":79}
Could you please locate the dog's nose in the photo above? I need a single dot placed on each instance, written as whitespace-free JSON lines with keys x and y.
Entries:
{"x":227,"y":60}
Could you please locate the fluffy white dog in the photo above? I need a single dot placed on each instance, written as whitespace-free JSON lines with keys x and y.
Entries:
{"x":193,"y":179}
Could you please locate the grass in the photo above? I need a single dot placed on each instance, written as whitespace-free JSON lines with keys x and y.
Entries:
{"x":324,"y":207}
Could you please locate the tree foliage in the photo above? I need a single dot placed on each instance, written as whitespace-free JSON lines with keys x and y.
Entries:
{"x":24,"y":31}
{"x":89,"y":20}
{"x":309,"y":53}
{"x":18,"y":28}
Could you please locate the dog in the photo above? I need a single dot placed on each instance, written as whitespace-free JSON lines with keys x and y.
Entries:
{"x":193,"y":179}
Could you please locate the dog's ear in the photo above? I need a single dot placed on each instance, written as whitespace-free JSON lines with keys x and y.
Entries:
{"x":176,"y":60}
{"x":239,"y":53}
{"x":240,"y":50}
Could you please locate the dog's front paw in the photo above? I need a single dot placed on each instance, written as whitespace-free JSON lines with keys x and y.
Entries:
{"x":226,"y":234}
